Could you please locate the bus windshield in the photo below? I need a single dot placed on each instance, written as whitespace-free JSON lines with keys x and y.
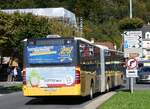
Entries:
{"x":48,"y":52}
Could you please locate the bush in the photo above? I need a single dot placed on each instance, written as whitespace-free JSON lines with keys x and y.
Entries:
{"x":127,"y":23}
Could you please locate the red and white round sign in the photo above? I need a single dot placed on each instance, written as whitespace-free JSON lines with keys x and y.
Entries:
{"x":132,"y":63}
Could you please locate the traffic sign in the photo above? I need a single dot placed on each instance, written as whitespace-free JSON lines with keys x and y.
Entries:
{"x":131,"y":73}
{"x":131,"y":70}
{"x":132,"y":63}
{"x":133,"y":39}
{"x":133,"y":43}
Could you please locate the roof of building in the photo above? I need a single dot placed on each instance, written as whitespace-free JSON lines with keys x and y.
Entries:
{"x":48,"y":12}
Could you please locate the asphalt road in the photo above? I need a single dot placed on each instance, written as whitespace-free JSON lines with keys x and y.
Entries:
{"x":136,"y":86}
{"x":18,"y":101}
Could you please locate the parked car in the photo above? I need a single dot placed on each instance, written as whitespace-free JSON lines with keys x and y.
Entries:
{"x":143,"y":75}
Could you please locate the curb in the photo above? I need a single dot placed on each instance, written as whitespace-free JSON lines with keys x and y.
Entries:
{"x":95,"y":103}
{"x":99,"y":101}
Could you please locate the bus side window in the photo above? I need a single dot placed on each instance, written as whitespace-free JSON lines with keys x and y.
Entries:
{"x":89,"y":57}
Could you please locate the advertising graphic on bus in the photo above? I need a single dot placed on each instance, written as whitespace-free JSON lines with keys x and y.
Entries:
{"x":50,"y":54}
{"x":50,"y":77}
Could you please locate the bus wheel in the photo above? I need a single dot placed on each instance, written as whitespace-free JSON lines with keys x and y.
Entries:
{"x":91,"y":92}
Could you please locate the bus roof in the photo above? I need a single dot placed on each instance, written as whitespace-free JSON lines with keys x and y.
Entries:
{"x":83,"y":39}
{"x":75,"y":38}
{"x":101,"y":46}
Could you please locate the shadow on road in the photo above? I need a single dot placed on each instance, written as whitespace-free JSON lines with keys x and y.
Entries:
{"x":124,"y":90}
{"x":61,"y":100}
{"x":58,"y":100}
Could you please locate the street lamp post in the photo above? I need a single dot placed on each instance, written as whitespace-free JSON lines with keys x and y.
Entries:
{"x":131,"y":78}
{"x":130,"y":9}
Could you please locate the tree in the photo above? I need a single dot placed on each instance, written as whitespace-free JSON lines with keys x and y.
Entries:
{"x":98,"y":13}
{"x":127,"y":23}
{"x":16,"y":27}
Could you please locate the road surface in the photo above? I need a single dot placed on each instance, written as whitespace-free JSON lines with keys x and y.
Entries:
{"x":136,"y":86}
{"x":18,"y":101}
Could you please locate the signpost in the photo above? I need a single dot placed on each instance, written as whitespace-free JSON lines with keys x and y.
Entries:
{"x":131,"y":71}
{"x":132,"y":63}
{"x":132,"y":43}
{"x":132,"y":51}
{"x":131,"y":68}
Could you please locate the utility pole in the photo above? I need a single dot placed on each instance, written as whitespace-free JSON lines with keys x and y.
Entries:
{"x":131,"y":78}
{"x":130,"y":9}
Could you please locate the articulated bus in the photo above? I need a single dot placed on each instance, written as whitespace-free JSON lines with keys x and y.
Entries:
{"x":69,"y":67}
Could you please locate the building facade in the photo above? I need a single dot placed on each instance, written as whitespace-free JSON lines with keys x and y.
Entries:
{"x":146,"y":41}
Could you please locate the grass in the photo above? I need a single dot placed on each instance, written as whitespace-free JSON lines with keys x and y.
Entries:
{"x":126,"y":100}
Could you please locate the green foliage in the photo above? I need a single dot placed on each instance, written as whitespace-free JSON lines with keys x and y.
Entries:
{"x":134,"y":23}
{"x":104,"y":32}
{"x":11,"y":88}
{"x":14,"y":28}
{"x":103,"y":16}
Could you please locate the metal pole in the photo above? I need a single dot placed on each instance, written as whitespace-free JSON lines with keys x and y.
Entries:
{"x":130,"y":9}
{"x":131,"y":84}
{"x":131,"y":79}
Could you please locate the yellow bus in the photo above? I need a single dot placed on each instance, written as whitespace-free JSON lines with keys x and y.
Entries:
{"x":69,"y":67}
